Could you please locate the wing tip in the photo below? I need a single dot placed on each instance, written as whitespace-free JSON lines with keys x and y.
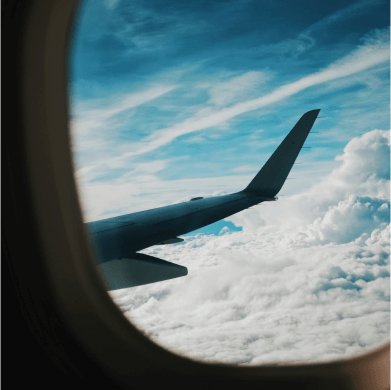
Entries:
{"x":313,"y":112}
{"x":272,"y":176}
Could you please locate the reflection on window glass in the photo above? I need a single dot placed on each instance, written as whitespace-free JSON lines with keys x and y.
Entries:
{"x":175,"y":100}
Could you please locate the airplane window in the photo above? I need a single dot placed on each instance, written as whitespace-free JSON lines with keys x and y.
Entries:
{"x":233,"y":165}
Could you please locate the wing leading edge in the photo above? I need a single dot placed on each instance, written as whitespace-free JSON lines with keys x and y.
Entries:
{"x":117,"y":240}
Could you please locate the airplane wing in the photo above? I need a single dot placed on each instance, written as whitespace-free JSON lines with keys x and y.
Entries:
{"x":117,"y":240}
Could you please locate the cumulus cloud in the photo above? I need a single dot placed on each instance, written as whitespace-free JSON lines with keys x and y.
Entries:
{"x":364,"y":171}
{"x":306,"y":281}
{"x":351,"y":217}
{"x":248,"y":299}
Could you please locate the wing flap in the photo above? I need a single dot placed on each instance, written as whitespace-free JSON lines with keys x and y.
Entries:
{"x":137,"y":271}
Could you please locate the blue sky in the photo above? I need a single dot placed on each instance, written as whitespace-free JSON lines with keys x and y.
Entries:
{"x":157,"y":86}
{"x":173,"y":100}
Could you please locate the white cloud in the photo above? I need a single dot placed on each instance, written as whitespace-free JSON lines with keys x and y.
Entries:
{"x":246,"y":168}
{"x":364,"y":171}
{"x":348,"y":220}
{"x":245,"y":300}
{"x":110,"y":4}
{"x":89,"y":125}
{"x":236,"y":88}
{"x":351,"y":11}
{"x":224,"y":230}
{"x":307,"y":285}
{"x":292,"y":47}
{"x":357,"y":174}
{"x":127,"y":194}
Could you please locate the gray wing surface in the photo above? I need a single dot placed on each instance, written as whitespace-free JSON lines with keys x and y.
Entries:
{"x":272,"y":176}
{"x":117,"y":240}
{"x":140,"y":270}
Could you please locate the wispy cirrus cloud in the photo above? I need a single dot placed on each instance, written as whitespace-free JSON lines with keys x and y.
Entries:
{"x":90,"y":125}
{"x":236,"y":88}
{"x":374,"y":51}
{"x":348,"y":12}
{"x":246,"y":168}
{"x":306,"y":40}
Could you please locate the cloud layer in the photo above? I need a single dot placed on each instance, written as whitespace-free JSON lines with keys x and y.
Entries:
{"x":307,"y":281}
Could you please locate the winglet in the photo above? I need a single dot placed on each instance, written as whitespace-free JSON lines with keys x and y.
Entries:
{"x":270,"y":179}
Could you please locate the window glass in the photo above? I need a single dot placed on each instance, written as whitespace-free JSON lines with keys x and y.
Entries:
{"x":175,"y":100}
